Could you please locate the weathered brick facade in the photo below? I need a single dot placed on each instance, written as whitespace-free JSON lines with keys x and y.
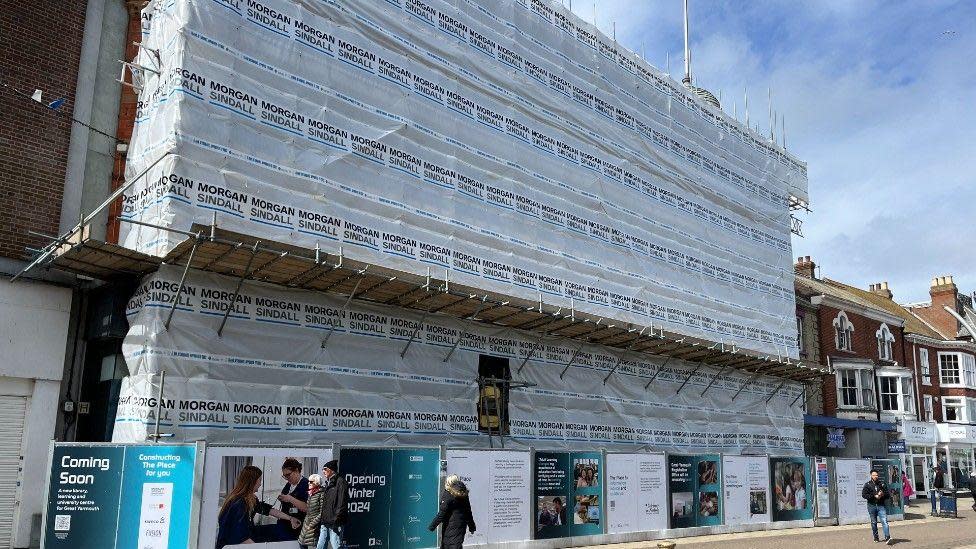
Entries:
{"x":41,"y":45}
{"x":864,"y":346}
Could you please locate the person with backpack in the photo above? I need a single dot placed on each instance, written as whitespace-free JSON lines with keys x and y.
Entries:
{"x":875,"y":493}
{"x":455,"y":515}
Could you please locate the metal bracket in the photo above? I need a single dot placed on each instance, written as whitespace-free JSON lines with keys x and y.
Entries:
{"x":745,"y":383}
{"x":776,"y":390}
{"x":687,"y":379}
{"x":473,"y":316}
{"x":657,"y":373}
{"x":803,"y":391}
{"x":413,"y":334}
{"x":572,"y":359}
{"x":345,"y":307}
{"x":237,"y":291}
{"x":179,"y":288}
{"x":623,"y":354}
{"x":531,"y":352}
{"x":714,"y":379}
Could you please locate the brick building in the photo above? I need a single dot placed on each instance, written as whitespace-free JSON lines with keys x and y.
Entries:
{"x":903,"y":372}
{"x":870,"y":389}
{"x":52,"y":167}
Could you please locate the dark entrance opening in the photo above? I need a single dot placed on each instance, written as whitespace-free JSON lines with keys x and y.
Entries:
{"x":494,"y":375}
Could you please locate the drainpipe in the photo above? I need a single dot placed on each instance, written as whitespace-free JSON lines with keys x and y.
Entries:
{"x":877,"y":392}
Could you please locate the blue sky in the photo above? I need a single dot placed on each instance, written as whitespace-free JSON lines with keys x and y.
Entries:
{"x":879,"y":98}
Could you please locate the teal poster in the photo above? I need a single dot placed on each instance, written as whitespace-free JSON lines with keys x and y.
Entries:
{"x":415,"y":498}
{"x":393,"y":495}
{"x":890,"y":473}
{"x":792,"y":488}
{"x":569,"y":493}
{"x":551,"y":474}
{"x":695,"y":484}
{"x":587,"y":488}
{"x":122,"y":497}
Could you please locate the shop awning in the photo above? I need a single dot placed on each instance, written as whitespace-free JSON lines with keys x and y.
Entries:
{"x":842,"y":423}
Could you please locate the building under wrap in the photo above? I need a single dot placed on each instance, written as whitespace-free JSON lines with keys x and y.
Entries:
{"x":502,"y":147}
{"x":408,"y":223}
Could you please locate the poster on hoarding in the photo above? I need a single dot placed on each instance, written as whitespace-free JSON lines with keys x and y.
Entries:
{"x":746,"y":484}
{"x":851,"y":476}
{"x":104,"y":496}
{"x":498,"y":481}
{"x":637,"y":496}
{"x":696,"y":490}
{"x":823,"y":487}
{"x":551,"y":476}
{"x":569,"y":492}
{"x":393,"y":495}
{"x":890,"y":473}
{"x":227,"y":466}
{"x":791,"y":488}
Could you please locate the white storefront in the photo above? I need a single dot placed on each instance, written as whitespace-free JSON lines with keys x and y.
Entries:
{"x":921,"y":438}
{"x":957,"y":444}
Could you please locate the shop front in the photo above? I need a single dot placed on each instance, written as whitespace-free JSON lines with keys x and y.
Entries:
{"x":955,"y":452}
{"x":918,"y":460}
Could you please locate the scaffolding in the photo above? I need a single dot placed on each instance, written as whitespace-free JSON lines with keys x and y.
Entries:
{"x":246,"y":257}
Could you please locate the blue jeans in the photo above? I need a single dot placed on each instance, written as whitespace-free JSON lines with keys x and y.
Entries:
{"x":329,"y":538}
{"x":878,"y":512}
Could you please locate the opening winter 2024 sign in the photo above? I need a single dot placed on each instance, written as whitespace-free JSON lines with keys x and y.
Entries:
{"x":122,"y":497}
{"x":393,"y":495}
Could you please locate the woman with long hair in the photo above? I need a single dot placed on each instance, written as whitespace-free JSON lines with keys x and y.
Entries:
{"x":455,"y":514}
{"x":235,"y":520}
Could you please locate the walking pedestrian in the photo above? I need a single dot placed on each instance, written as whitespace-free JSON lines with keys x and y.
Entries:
{"x":455,"y":514}
{"x":309,"y":536}
{"x":907,"y":491}
{"x":335,"y":507}
{"x":875,"y":492}
{"x":972,"y":487}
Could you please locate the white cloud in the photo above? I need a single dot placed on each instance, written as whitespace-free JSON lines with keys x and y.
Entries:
{"x":878,"y":99}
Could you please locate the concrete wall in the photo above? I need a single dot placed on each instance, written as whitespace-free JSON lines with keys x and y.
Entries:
{"x":35,"y":318}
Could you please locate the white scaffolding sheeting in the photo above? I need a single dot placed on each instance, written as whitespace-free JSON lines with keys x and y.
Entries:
{"x":512,"y":145}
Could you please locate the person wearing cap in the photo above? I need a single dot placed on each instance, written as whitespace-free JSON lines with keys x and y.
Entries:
{"x":335,"y":508}
{"x":454,"y":515}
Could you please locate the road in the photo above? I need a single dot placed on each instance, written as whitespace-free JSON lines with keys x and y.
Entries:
{"x":917,"y":531}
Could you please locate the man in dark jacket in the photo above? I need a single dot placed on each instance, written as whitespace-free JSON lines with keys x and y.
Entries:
{"x":454,"y":515}
{"x":875,"y":493}
{"x":972,"y":487}
{"x":334,"y":505}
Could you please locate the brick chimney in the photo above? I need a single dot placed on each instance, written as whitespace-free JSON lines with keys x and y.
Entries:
{"x":881,"y":288}
{"x":805,"y":267}
{"x":944,"y":293}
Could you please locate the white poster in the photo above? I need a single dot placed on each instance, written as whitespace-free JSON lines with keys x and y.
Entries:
{"x":851,"y":476}
{"x":636,"y":493}
{"x":221,"y":469}
{"x":746,"y":481}
{"x":823,"y":488}
{"x":498,"y":481}
{"x":157,"y":499}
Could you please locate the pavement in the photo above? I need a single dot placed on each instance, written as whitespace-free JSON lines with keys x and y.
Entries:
{"x":918,"y":530}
